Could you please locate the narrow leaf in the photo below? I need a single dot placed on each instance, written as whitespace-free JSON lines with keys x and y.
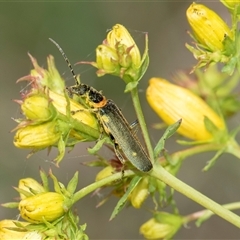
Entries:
{"x":167,"y":134}
{"x":121,"y":203}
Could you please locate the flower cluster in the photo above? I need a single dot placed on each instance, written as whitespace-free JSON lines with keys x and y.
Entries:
{"x":47,"y":214}
{"x":49,"y":121}
{"x":119,"y":55}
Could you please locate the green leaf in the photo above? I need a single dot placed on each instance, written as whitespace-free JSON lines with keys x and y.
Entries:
{"x":212,"y":161}
{"x":10,"y":205}
{"x":96,"y":163}
{"x":24,"y":192}
{"x":121,"y":203}
{"x":234,"y":132}
{"x":192,"y":143}
{"x":216,"y":132}
{"x":57,"y":188}
{"x":72,"y":185}
{"x":98,"y":146}
{"x":167,"y":134}
{"x":229,"y":46}
{"x":130,"y":86}
{"x":210,"y":126}
{"x":143,"y":67}
{"x":230,"y":66}
{"x":61,"y":150}
{"x":44,"y":179}
{"x":203,"y":218}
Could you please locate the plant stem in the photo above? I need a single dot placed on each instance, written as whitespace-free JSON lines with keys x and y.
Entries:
{"x":142,"y":122}
{"x":90,"y":188}
{"x":161,"y":174}
{"x":181,"y":155}
{"x":205,"y":214}
{"x":164,"y":176}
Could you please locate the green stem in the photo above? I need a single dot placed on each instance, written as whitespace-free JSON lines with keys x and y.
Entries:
{"x":90,"y":188}
{"x":164,"y":176}
{"x":161,"y":174}
{"x":181,"y":155}
{"x":142,"y":122}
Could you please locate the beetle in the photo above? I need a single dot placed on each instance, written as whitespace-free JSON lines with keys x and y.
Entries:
{"x":126,"y":144}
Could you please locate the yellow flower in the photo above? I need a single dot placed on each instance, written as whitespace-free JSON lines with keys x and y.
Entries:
{"x":37,"y":136}
{"x":172,"y":103}
{"x":140,"y":193}
{"x":162,"y":226}
{"x":30,"y":185}
{"x":48,"y":206}
{"x":6,"y":233}
{"x":209,"y":29}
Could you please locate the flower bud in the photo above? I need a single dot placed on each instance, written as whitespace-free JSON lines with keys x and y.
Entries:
{"x":119,"y":37}
{"x":38,"y":107}
{"x":37,"y":136}
{"x":119,"y":55}
{"x":49,"y":78}
{"x":106,"y":61}
{"x":140,"y":193}
{"x":172,"y":102}
{"x":105,"y":172}
{"x":44,"y":206}
{"x":208,"y":28}
{"x":162,"y":226}
{"x":6,"y":233}
{"x":30,"y":185}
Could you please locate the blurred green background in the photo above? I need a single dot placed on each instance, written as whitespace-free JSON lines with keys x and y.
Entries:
{"x":79,"y":27}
